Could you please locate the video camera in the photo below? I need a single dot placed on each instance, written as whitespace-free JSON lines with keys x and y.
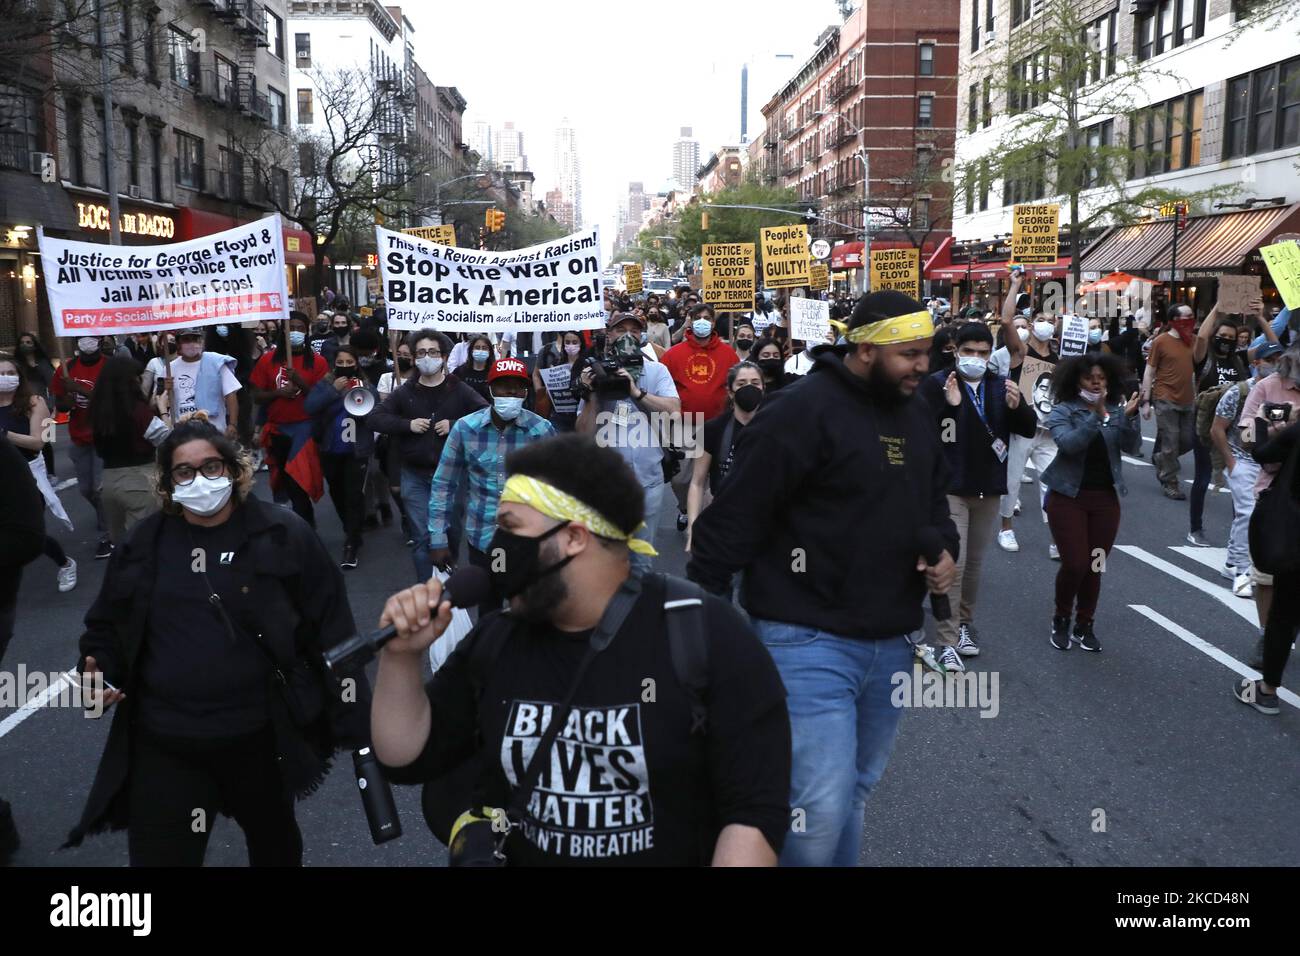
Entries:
{"x":605,"y":379}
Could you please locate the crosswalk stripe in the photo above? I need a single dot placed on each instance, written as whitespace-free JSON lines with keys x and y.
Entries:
{"x":1244,"y":609}
{"x":35,"y":704}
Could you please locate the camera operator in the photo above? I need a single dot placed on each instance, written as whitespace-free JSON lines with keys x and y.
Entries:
{"x":625,"y":782}
{"x":614,"y":408}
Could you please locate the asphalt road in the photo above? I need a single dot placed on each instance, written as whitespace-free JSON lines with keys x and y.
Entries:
{"x":1135,"y":756}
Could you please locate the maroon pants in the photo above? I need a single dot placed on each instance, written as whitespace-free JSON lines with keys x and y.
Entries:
{"x":1084,"y":530}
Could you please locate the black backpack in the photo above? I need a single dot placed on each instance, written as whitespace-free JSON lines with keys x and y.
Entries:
{"x":445,"y":798}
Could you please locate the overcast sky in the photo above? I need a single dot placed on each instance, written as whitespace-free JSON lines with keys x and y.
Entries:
{"x":627,"y":75}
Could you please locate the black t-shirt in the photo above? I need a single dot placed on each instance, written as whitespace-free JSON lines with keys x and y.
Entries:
{"x":720,"y":458}
{"x":475,"y":378}
{"x":1096,"y":465}
{"x":1217,"y":370}
{"x":627,"y":783}
{"x":195,"y":681}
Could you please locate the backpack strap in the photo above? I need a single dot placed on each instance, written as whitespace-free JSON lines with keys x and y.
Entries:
{"x":684,"y":613}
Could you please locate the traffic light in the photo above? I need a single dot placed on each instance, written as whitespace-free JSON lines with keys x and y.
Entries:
{"x":500,"y":219}
{"x":704,"y":222}
{"x":494,"y":220}
{"x":659,"y":244}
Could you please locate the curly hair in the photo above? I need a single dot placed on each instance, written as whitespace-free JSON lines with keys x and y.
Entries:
{"x":196,"y":427}
{"x":1069,"y":372}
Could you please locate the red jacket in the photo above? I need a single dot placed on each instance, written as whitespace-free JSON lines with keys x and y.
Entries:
{"x":700,"y":374}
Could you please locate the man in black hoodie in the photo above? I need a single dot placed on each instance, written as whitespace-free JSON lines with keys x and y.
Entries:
{"x":834,"y":485}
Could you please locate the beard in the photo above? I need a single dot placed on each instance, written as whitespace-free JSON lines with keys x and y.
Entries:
{"x":884,"y":390}
{"x":536,"y":602}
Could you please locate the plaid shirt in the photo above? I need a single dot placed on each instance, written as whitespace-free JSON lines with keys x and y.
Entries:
{"x":473,"y":467}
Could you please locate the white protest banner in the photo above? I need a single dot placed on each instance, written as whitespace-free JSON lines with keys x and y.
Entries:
{"x":227,"y":277}
{"x":557,"y":381}
{"x":1074,"y":335}
{"x":810,"y":320}
{"x":554,"y":285}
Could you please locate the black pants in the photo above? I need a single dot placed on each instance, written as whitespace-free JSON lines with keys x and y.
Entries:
{"x":54,"y":551}
{"x":480,"y":559}
{"x":11,"y":578}
{"x":177,"y":788}
{"x":1280,"y":629}
{"x":345,"y":476}
{"x":298,"y":497}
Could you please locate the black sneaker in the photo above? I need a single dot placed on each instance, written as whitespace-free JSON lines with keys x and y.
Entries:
{"x":1061,"y":633}
{"x":1252,"y":694}
{"x":8,"y":834}
{"x":681,"y":521}
{"x":349,"y":557}
{"x":1084,"y":637}
{"x":104,"y":549}
{"x":1256,"y":659}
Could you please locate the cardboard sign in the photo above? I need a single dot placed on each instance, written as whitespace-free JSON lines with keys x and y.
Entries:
{"x":1283,"y":261}
{"x":1237,"y":292}
{"x":632,"y":278}
{"x":810,"y":320}
{"x":1074,"y":335}
{"x":895,"y":269}
{"x":1036,"y":383}
{"x":443,"y":235}
{"x":785,"y":256}
{"x":819,"y":276}
{"x":728,"y":271}
{"x":1035,"y":234}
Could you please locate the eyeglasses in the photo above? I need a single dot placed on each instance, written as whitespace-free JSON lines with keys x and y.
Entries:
{"x":428,"y":353}
{"x":210,"y":468}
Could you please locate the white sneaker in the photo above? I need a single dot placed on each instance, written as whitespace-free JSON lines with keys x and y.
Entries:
{"x":1053,"y":553}
{"x":1026,"y":479}
{"x":1242,"y":586}
{"x":950,"y":661}
{"x":68,"y":576}
{"x":1228,"y":572}
{"x":1007,"y":540}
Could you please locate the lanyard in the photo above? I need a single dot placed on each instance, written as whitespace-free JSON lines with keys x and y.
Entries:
{"x":977,"y":398}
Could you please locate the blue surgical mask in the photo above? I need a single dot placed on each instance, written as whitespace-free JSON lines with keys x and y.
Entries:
{"x":507,"y":408}
{"x":480,"y":355}
{"x":702,"y":328}
{"x":1094,"y":336}
{"x":223,"y":330}
{"x":297,"y":338}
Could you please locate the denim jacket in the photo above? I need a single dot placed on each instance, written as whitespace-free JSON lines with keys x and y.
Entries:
{"x":1073,"y":426}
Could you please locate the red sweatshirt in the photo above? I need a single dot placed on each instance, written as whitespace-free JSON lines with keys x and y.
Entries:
{"x":700,"y":374}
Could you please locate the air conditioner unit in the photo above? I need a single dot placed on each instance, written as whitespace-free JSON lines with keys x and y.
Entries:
{"x":36,"y":162}
{"x":133,"y":192}
{"x":990,"y":37}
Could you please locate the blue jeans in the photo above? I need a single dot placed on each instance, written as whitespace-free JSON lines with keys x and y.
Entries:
{"x":416,"y":489}
{"x":654,"y":497}
{"x":842,"y":729}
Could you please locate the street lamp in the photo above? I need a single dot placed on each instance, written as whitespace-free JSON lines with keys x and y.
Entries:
{"x":866,"y":189}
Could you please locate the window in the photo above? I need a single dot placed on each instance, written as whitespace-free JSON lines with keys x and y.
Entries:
{"x":984,"y":185}
{"x":925,"y":112}
{"x":276,"y":99}
{"x":302,"y":49}
{"x":921,"y":218}
{"x":1103,"y":44}
{"x":156,"y":161}
{"x":232,"y":174}
{"x":19,"y":127}
{"x":1263,"y":110}
{"x":1167,"y":136}
{"x":184,"y":61}
{"x":280,"y":186}
{"x":927,"y":59}
{"x":974,"y":27}
{"x":972,"y":108}
{"x":189,"y":161}
{"x":128,"y":37}
{"x":988,"y":17}
{"x":76,"y":147}
{"x":969,"y":190}
{"x":151,"y":47}
{"x":304,"y":107}
{"x":1019,"y":12}
{"x":987,"y":101}
{"x":1170,"y":24}
{"x":275,"y":35}
{"x":306,"y":160}
{"x":227,"y":80}
{"x":132,"y":124}
{"x":1098,"y":138}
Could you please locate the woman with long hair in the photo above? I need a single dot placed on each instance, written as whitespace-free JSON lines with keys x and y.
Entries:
{"x":770,"y":358}
{"x":570,"y":351}
{"x":39,"y":371}
{"x":121,"y":418}
{"x":1091,"y":424}
{"x":479,"y":362}
{"x":746,"y":388}
{"x":207,"y":636}
{"x":24,"y":419}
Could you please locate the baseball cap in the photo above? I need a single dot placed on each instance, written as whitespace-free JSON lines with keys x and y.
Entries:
{"x":191,"y":330}
{"x":508,"y":368}
{"x":616,"y":317}
{"x":1269,"y":350}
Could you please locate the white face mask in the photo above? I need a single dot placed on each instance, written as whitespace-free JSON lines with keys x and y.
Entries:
{"x":8,"y":383}
{"x":429,"y":366}
{"x":1023,"y":333}
{"x":573,"y":348}
{"x":507,"y":407}
{"x":1044,"y":330}
{"x":972,"y":366}
{"x":203,"y":496}
{"x":87,"y":345}
{"x":1092,"y":398}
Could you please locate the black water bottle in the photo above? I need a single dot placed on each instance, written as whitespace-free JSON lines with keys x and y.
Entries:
{"x":376,"y":797}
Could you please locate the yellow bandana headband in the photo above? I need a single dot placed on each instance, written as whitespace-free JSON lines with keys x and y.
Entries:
{"x":554,"y":503}
{"x":903,"y":328}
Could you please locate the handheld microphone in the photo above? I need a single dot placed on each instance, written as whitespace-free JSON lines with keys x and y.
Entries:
{"x":931,"y":545}
{"x":466,"y":587}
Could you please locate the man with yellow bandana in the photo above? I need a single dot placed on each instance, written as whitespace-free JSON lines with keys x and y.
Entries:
{"x":628,"y":780}
{"x":835,"y":487}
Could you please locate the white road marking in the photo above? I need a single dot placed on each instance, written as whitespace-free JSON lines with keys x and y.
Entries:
{"x":1224,"y":596}
{"x":1212,"y":558}
{"x":35,"y":704}
{"x":1151,"y":440}
{"x":1129,"y":460}
{"x":1208,"y":649}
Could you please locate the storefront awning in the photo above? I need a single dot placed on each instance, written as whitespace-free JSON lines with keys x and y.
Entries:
{"x":195,"y":222}
{"x":1129,"y":248}
{"x":998,"y":270}
{"x":941,"y":259}
{"x":26,"y":201}
{"x":848,"y":255}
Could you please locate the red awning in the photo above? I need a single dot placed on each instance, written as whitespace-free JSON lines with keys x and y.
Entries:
{"x":942,"y":258}
{"x":848,"y":255}
{"x":193,"y":223}
{"x":999,"y":270}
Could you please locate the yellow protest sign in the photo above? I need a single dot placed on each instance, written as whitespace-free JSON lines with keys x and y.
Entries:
{"x":632,"y":278}
{"x":785,"y":256}
{"x":819,"y":276}
{"x":1283,"y":261}
{"x":728,"y":271}
{"x":895,"y":269}
{"x":1035,"y":234}
{"x":445,"y":235}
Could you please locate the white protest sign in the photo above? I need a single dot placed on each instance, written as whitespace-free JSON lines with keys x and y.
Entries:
{"x":557,"y":381}
{"x":227,"y":277}
{"x":810,"y":320}
{"x":554,"y":285}
{"x":1074,"y":335}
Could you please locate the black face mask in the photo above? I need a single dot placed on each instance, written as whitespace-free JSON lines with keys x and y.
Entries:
{"x":345,"y":371}
{"x":1224,"y":346}
{"x":748,"y":397}
{"x":520,"y":557}
{"x":744,"y":345}
{"x":403,"y":364}
{"x":771,"y":367}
